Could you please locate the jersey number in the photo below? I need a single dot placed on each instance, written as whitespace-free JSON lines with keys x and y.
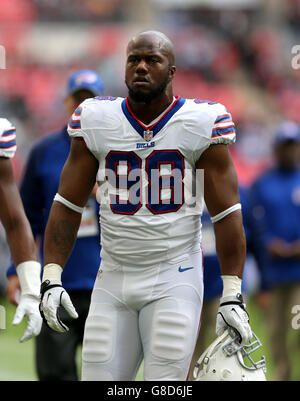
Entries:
{"x":164,"y":170}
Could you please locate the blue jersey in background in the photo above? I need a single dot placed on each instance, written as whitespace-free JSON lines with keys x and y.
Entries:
{"x":275,"y":198}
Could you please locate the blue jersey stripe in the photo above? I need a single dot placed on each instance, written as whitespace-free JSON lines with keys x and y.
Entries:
{"x":223,"y":131}
{"x":74,"y":124}
{"x":5,"y":145}
{"x":9,"y":132}
{"x":223,"y":119}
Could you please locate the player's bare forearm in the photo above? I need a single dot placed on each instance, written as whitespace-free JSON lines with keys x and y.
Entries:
{"x":12,"y":215}
{"x":220,"y":193}
{"x":231,"y":244}
{"x":21,"y":243}
{"x":60,"y":234}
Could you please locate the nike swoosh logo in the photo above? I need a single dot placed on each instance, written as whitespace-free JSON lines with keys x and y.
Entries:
{"x":183,"y":269}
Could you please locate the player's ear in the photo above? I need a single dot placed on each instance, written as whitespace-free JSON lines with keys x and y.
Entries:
{"x":172,"y":70}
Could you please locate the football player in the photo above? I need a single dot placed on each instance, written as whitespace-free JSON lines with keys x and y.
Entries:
{"x":19,"y":236}
{"x":145,"y":151}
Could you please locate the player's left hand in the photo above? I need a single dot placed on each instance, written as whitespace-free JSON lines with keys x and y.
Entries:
{"x":29,"y":307}
{"x":232,"y":312}
{"x":53,"y":295}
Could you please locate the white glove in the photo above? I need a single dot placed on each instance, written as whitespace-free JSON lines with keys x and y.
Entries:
{"x":29,"y":306}
{"x":232,"y":313}
{"x":53,"y":295}
{"x":29,"y":276}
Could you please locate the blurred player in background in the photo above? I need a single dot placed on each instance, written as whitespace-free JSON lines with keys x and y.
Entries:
{"x":276,"y":209}
{"x":56,"y":354}
{"x":19,"y":235}
{"x":147,"y":298}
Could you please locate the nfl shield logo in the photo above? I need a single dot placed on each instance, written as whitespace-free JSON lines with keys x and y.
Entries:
{"x":148,"y":135}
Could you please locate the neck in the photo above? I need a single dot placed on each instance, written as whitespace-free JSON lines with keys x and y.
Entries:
{"x":147,"y":112}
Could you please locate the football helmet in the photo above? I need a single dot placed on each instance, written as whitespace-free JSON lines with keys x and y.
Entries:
{"x":227,"y":360}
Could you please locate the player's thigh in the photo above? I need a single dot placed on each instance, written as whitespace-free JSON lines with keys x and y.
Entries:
{"x":111,"y":346}
{"x":169,"y":327}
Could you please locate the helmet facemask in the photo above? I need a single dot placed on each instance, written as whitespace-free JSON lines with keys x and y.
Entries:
{"x":227,"y":359}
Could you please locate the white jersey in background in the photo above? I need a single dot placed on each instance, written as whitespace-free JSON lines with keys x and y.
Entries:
{"x":8,"y":145}
{"x":148,"y":174}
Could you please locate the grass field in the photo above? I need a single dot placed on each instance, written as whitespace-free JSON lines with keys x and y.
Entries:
{"x":17,"y":360}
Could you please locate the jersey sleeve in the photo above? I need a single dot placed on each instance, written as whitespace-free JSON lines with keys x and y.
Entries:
{"x":77,"y":127}
{"x":8,"y":145}
{"x":223,"y":130}
{"x":213,"y":124}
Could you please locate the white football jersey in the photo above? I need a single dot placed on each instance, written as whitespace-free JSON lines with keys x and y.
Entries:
{"x":7,"y":138}
{"x":147,"y":175}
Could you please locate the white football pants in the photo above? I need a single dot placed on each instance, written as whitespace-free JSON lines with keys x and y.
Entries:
{"x":151,"y":313}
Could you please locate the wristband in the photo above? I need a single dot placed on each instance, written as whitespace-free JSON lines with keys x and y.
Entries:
{"x":29,"y":274}
{"x":52,"y":272}
{"x":232,"y":285}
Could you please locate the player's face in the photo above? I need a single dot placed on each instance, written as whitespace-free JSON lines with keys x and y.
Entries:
{"x":147,"y":72}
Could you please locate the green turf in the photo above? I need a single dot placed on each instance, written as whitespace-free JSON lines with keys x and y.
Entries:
{"x":259,"y":326}
{"x":17,"y":360}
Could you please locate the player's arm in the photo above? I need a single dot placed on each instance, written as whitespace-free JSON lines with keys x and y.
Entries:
{"x":12,"y":215}
{"x":34,"y":205}
{"x":22,"y":248}
{"x":222,"y":199}
{"x":76,"y":183}
{"x":220,"y":193}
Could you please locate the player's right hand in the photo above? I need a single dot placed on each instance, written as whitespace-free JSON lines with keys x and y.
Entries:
{"x":53,"y":295}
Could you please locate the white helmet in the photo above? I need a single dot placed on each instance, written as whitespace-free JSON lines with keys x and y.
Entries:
{"x":227,"y":360}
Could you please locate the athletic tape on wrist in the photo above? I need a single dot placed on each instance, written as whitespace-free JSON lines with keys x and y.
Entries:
{"x":29,"y":274}
{"x":232,"y":285}
{"x":68,"y":204}
{"x":52,"y":272}
{"x":223,"y":214}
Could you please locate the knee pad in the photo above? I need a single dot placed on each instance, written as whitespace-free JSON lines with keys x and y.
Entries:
{"x":171,"y":333}
{"x":95,"y":372}
{"x":99,"y":336}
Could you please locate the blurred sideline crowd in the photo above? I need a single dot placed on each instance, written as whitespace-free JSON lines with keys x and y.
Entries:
{"x":241,"y":57}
